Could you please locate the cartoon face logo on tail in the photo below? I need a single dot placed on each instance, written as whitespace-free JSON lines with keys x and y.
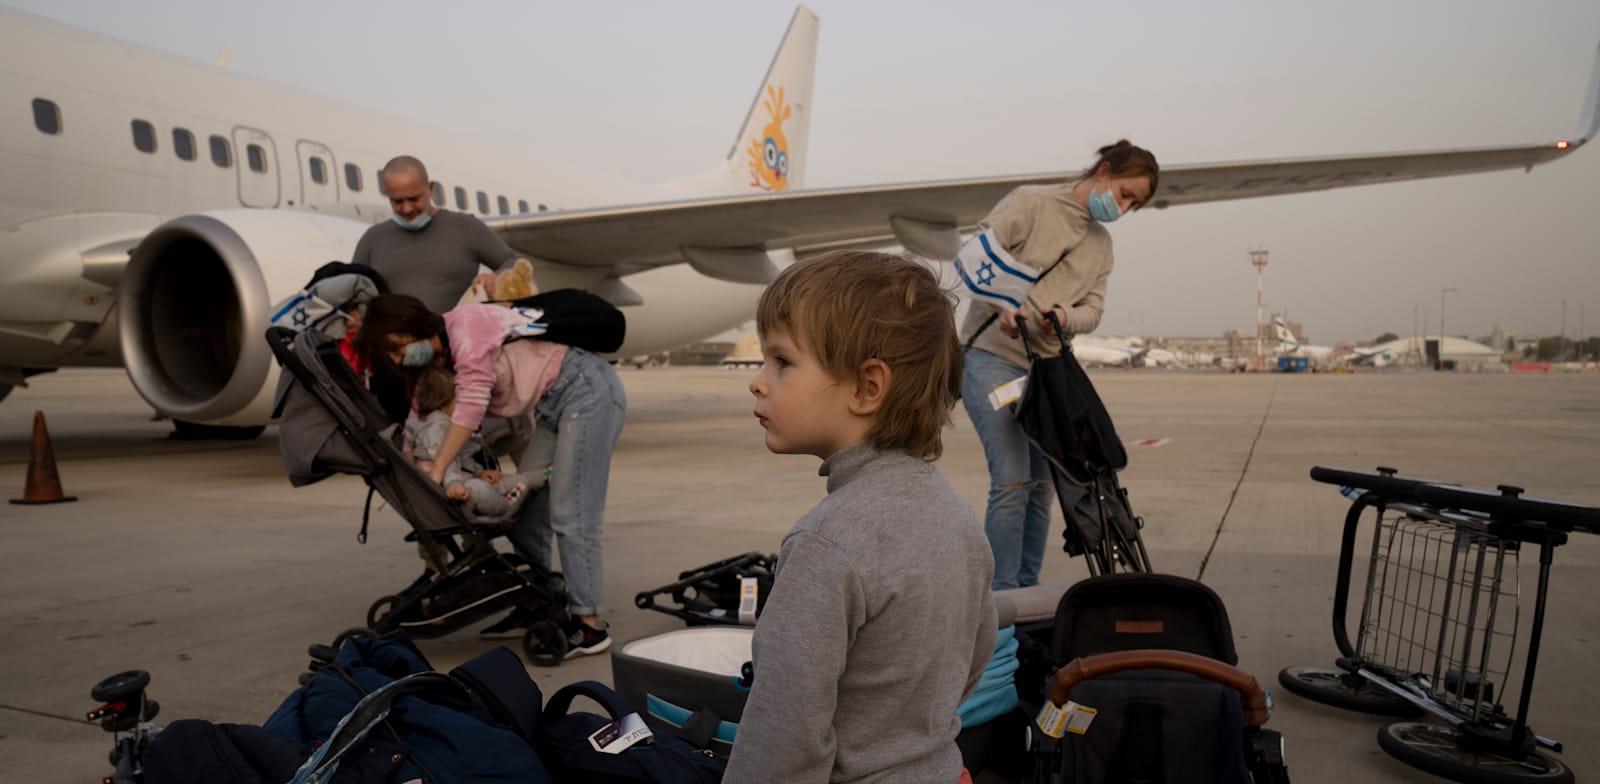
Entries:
{"x":769,"y":153}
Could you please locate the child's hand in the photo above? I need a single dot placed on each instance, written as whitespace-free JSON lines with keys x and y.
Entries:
{"x":456,"y":491}
{"x":491,"y":476}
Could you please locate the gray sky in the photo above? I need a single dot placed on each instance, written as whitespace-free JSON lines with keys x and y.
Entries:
{"x":924,"y":90}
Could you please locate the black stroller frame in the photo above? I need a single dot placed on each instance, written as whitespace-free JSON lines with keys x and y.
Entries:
{"x":1438,"y":631}
{"x":477,"y":580}
{"x":1119,"y":547}
{"x":712,"y":594}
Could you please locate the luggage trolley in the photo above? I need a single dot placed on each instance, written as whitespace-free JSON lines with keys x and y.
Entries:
{"x":1441,"y":616}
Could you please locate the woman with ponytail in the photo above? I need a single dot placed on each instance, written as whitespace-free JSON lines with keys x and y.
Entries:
{"x":1059,"y":230}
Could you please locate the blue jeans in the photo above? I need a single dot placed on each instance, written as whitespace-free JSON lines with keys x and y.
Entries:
{"x":1017,"y":520}
{"x":576,"y":425}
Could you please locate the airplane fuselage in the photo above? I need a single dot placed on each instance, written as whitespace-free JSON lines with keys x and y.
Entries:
{"x":102,"y":140}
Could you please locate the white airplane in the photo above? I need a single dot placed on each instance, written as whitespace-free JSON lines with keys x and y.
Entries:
{"x":1109,"y":352}
{"x":155,"y":207}
{"x":1290,"y":346}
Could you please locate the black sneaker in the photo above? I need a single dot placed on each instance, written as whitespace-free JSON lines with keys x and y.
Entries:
{"x":511,"y":627}
{"x":584,"y":640}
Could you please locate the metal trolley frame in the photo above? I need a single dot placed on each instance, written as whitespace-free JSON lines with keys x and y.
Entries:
{"x":1441,"y":622}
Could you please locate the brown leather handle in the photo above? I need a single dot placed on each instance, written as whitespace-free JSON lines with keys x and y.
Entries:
{"x":1253,"y":699}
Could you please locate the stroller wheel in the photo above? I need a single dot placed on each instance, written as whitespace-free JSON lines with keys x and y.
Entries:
{"x":545,"y":644}
{"x":1341,"y":689}
{"x":379,"y":609}
{"x":122,"y":686}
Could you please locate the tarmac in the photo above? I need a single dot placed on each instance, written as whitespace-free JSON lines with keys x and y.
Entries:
{"x":199,"y":563}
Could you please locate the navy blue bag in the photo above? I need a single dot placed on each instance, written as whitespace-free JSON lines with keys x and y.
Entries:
{"x":381,"y":698}
{"x":565,"y":749}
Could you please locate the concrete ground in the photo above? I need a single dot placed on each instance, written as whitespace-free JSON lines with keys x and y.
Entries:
{"x":198,"y":562}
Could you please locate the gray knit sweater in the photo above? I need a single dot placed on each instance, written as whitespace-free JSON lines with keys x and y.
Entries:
{"x":1039,"y":224}
{"x":879,"y":625}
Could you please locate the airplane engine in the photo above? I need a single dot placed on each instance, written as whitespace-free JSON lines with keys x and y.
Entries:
{"x":195,"y":303}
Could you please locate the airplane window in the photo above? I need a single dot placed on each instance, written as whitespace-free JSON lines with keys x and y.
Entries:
{"x":541,"y":208}
{"x":221,"y":152}
{"x":461,"y":198}
{"x":352,"y":176}
{"x":46,"y":116}
{"x":183,"y":143}
{"x":319,"y":170}
{"x":483,"y":202}
{"x":522,"y":206}
{"x":257,"y":156}
{"x":438,"y":195}
{"x":144,"y":136}
{"x":505,"y":206}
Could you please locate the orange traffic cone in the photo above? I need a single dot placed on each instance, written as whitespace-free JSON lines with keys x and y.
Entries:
{"x":44,"y":484}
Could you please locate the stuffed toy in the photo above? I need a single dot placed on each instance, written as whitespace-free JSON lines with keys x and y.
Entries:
{"x":512,"y":284}
{"x":515,"y":283}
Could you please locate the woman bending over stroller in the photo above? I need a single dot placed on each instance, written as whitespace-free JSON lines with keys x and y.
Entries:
{"x":579,"y":405}
{"x":1047,"y":227}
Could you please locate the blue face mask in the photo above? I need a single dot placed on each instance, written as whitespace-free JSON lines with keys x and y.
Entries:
{"x":418,"y":354}
{"x":413,"y":225}
{"x":1103,"y":206}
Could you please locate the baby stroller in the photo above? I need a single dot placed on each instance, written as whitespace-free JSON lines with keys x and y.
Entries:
{"x":1063,"y":416}
{"x":330,"y":424}
{"x":1147,"y":690}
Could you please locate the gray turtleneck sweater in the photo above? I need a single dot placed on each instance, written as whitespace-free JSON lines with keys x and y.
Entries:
{"x":1038,"y":225}
{"x":879,"y":625}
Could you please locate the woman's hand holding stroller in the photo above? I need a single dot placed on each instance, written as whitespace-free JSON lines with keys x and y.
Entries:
{"x":1008,"y":321}
{"x":1060,"y":314}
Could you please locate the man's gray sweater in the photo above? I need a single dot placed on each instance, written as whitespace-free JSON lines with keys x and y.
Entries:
{"x":881,"y":622}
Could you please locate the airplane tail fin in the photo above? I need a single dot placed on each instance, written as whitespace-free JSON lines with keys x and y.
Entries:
{"x":1284,"y":335}
{"x":769,"y":153}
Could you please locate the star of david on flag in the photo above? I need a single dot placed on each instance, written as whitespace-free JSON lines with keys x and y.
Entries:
{"x":989,"y":274}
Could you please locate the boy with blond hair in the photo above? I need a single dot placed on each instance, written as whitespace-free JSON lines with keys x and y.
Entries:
{"x":881,"y":620}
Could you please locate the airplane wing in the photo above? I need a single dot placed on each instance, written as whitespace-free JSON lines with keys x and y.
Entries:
{"x":727,"y":237}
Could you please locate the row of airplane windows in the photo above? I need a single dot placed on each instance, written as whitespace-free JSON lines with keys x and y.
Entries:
{"x":47,"y":118}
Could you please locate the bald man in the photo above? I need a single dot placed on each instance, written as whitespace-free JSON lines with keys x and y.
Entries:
{"x":429,"y":253}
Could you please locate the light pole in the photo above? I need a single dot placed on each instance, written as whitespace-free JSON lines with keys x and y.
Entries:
{"x":1581,"y":353}
{"x":1442,"y":292}
{"x":1259,"y":259}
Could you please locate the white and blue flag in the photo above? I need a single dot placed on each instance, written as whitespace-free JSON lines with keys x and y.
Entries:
{"x":989,"y":274}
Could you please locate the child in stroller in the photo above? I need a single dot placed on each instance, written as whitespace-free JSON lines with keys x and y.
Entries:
{"x":489,"y":492}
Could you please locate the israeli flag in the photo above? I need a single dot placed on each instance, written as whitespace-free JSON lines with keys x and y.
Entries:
{"x":531,"y":325}
{"x":989,"y":274}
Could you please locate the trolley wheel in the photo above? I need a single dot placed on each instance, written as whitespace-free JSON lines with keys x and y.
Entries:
{"x":380,"y":608}
{"x":1331,"y":686}
{"x":121,"y":686}
{"x":1437,"y":749}
{"x":545,"y":644}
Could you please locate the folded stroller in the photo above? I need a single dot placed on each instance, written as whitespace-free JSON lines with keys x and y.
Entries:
{"x":730,"y":591}
{"x":1147,"y":690}
{"x":1062,"y":415}
{"x":330,"y":424}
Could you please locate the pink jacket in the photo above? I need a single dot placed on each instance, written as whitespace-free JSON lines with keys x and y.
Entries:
{"x":492,"y":376}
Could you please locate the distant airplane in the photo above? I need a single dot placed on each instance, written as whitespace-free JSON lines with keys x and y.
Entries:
{"x":1292,"y":347}
{"x":155,"y":207}
{"x":1319,"y":354}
